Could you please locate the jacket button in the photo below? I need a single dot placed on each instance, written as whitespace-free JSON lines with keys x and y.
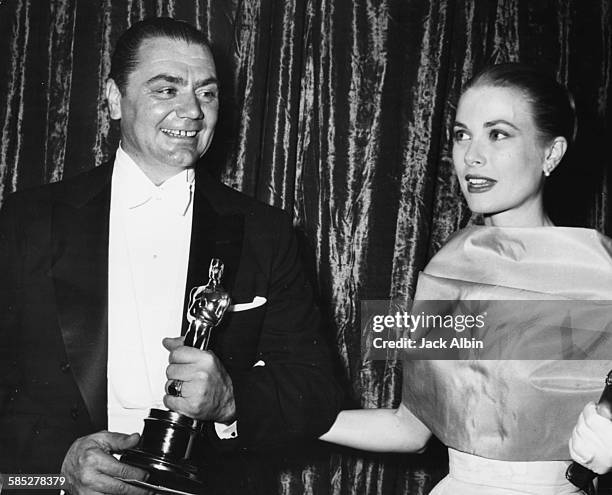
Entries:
{"x":65,"y":367}
{"x":74,"y":412}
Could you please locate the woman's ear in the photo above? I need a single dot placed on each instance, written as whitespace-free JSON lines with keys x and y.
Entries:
{"x":554,"y":154}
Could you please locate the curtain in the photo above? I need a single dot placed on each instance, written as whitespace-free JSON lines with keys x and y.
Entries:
{"x":339,"y":112}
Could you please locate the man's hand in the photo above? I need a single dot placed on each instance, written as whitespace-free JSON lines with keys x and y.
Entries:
{"x":591,"y":441}
{"x":206,"y":392}
{"x":90,"y":468}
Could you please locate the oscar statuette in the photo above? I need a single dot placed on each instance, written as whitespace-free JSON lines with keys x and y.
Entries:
{"x":168,"y":439}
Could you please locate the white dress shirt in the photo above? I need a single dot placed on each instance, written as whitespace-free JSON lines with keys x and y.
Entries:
{"x":149,"y":236}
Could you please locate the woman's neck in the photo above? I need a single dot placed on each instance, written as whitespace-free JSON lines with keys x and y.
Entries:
{"x":514,"y":219}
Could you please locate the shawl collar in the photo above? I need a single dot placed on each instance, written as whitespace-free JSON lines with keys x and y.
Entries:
{"x":80,"y":277}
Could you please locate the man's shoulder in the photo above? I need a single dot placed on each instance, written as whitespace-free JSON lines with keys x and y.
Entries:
{"x":66,"y":190}
{"x":231,"y":200}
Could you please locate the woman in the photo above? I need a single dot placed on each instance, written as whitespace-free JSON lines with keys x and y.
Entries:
{"x":506,"y":423}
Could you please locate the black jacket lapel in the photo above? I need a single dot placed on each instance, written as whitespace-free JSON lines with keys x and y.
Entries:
{"x":217,"y":231}
{"x":80,"y":276}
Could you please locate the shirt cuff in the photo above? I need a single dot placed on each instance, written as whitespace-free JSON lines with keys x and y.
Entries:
{"x":226,"y":432}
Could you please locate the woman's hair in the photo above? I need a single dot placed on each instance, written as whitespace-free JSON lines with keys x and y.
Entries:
{"x":125,"y":56}
{"x":551,"y":103}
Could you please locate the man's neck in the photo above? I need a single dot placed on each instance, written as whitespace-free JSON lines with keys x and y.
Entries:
{"x":157,"y":175}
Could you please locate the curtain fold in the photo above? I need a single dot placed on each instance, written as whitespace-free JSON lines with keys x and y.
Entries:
{"x":340,"y":113}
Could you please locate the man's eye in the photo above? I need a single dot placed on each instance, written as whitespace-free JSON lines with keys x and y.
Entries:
{"x":166,"y":91}
{"x":460,"y":135}
{"x":207,"y":94}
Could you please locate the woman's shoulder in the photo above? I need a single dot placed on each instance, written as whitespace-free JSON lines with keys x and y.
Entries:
{"x":520,"y":243}
{"x":573,"y":262}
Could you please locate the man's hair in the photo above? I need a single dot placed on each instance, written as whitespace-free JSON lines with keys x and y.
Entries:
{"x":125,"y":56}
{"x":551,"y":103}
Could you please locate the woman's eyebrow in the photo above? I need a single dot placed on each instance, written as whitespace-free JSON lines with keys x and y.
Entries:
{"x":493,"y":123}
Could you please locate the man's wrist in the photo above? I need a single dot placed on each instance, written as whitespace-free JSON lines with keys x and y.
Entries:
{"x":227,"y":409}
{"x":230,"y":413}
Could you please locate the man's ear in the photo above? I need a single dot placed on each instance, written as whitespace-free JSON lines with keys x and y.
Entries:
{"x":554,"y":154}
{"x":113,"y":97}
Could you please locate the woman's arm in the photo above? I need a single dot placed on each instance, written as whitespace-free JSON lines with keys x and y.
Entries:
{"x":379,"y":430}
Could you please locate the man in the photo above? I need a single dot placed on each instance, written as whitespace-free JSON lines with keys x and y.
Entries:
{"x":95,"y":272}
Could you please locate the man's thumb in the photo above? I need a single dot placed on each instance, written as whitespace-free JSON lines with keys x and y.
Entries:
{"x":121,"y":441}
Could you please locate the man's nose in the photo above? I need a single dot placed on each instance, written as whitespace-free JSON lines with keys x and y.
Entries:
{"x":474,"y":156}
{"x":190,"y":107}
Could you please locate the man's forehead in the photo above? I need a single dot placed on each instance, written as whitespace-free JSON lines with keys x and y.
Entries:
{"x":163,"y":50}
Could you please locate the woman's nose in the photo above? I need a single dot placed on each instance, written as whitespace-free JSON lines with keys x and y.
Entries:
{"x":474,"y":157}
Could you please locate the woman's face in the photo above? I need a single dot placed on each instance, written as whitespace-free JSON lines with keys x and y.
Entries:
{"x":498,"y":156}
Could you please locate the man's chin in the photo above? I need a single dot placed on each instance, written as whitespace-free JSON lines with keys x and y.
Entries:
{"x":182,"y":158}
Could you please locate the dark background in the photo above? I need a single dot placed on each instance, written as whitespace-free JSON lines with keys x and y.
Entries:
{"x":338,"y":111}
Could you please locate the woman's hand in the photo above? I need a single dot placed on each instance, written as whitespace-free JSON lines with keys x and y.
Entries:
{"x":591,"y":441}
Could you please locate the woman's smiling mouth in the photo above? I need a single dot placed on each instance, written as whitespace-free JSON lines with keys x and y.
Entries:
{"x":479,"y":183}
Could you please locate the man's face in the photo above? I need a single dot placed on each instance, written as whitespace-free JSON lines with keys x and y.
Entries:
{"x":169,"y":108}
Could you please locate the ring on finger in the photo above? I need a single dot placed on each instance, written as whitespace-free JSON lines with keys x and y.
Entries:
{"x":174,"y":389}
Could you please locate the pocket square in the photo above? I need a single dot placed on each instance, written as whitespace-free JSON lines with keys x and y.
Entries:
{"x":255,"y":303}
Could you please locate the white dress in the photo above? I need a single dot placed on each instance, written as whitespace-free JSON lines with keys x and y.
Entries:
{"x":507,"y":420}
{"x":473,"y":475}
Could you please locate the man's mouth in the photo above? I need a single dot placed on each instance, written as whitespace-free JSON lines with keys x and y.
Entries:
{"x":178,"y":133}
{"x":479,"y":183}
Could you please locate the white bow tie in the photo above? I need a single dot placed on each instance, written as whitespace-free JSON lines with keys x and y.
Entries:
{"x":177,"y":197}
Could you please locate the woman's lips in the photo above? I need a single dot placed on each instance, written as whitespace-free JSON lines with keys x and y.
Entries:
{"x":479,"y":183}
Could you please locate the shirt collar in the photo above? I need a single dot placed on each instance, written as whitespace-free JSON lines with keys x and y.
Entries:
{"x":134,"y":189}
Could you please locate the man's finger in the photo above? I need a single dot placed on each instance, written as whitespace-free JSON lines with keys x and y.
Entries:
{"x":172,"y":343}
{"x":109,"y":465}
{"x":115,"y":442}
{"x":108,"y":484}
{"x":183,"y":372}
{"x":190,"y":355}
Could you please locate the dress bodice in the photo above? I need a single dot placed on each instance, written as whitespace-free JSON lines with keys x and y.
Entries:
{"x":515,"y":410}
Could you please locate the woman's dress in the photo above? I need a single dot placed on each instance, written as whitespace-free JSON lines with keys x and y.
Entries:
{"x":507,"y":422}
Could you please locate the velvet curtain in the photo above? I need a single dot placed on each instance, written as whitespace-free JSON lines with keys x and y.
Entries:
{"x":340,"y":112}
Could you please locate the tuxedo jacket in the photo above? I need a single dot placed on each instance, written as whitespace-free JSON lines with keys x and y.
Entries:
{"x":53,"y":317}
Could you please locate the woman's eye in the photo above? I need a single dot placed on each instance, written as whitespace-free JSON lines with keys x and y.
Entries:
{"x":460,"y":135}
{"x":498,"y":135}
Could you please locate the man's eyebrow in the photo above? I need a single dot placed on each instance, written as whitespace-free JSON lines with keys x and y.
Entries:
{"x":181,"y":81}
{"x":167,"y":78}
{"x":493,"y":123}
{"x":205,"y":82}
